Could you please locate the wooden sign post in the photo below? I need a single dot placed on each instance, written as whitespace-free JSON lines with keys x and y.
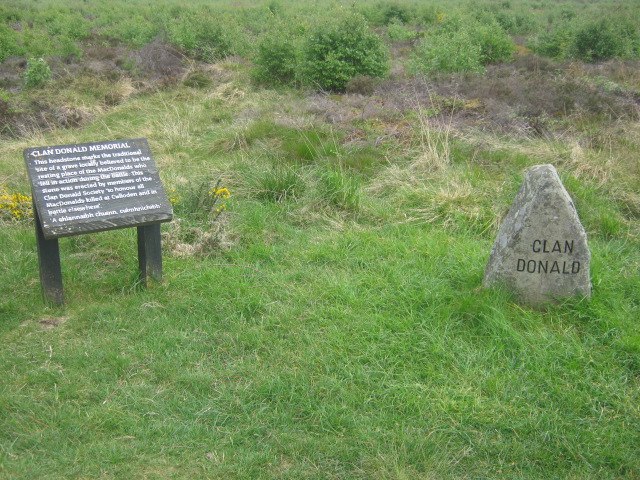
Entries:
{"x":92,"y":187}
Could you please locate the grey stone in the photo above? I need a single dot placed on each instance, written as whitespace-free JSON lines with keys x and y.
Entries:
{"x":541,"y":250}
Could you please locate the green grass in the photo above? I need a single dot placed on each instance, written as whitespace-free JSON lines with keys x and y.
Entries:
{"x":330,"y":323}
{"x":350,"y":354}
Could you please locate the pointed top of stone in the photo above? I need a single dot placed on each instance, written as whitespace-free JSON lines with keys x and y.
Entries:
{"x":541,"y":250}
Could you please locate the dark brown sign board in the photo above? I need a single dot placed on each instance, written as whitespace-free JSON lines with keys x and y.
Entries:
{"x":91,"y":187}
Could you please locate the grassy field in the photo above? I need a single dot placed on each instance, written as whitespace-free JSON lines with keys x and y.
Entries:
{"x":326,"y":320}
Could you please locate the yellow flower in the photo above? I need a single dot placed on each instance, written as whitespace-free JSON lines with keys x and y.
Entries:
{"x":14,"y":206}
{"x":174,"y":198}
{"x":222,"y":192}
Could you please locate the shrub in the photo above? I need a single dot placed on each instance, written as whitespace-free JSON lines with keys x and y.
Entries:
{"x":566,"y":14}
{"x":602,"y":40}
{"x":277,"y":59}
{"x":557,"y":43}
{"x":197,"y":229}
{"x":592,"y":41}
{"x":630,"y":32}
{"x":394,"y":13}
{"x":134,"y":30}
{"x":399,"y":33}
{"x":200,"y":201}
{"x":337,"y":52}
{"x":15,"y":206}
{"x":67,"y":23}
{"x":68,"y":48}
{"x":495,"y":45}
{"x":516,"y":24}
{"x":427,"y":15}
{"x":448,"y":52}
{"x":37,"y":73}
{"x":36,"y":42}
{"x":201,"y":37}
{"x":8,"y":43}
{"x":463,"y":45}
{"x":387,"y":12}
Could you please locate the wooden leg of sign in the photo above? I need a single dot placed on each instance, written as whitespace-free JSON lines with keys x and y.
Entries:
{"x":49,"y":263}
{"x":150,"y":253}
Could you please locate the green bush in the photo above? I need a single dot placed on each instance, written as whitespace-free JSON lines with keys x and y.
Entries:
{"x":68,"y":48}
{"x":395,"y":12}
{"x":37,"y":73}
{"x":201,"y":36}
{"x":336,"y":52}
{"x":135,"y":30}
{"x":591,"y":41}
{"x":448,"y":52}
{"x":495,"y":45}
{"x":387,"y":12}
{"x":9,"y":13}
{"x":8,"y":43}
{"x":199,"y":200}
{"x":604,"y":39}
{"x":426,"y":15}
{"x":567,"y":14}
{"x":511,"y":22}
{"x":36,"y":43}
{"x":463,"y":44}
{"x":556,"y":43}
{"x":630,"y":32}
{"x":515,"y":23}
{"x":400,"y":33}
{"x":278,"y":59}
{"x":67,"y":23}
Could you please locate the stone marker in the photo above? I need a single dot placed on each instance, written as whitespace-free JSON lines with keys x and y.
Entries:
{"x":541,"y":250}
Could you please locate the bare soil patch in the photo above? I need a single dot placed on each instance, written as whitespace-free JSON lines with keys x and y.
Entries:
{"x":49,"y":323}
{"x":159,"y":61}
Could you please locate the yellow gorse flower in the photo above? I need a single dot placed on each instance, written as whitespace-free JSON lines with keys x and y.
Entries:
{"x":219,"y":193}
{"x":222,"y":192}
{"x":174,"y":198}
{"x":15,"y":206}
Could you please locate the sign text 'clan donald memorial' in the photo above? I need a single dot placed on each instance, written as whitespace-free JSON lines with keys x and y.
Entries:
{"x":91,"y":187}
